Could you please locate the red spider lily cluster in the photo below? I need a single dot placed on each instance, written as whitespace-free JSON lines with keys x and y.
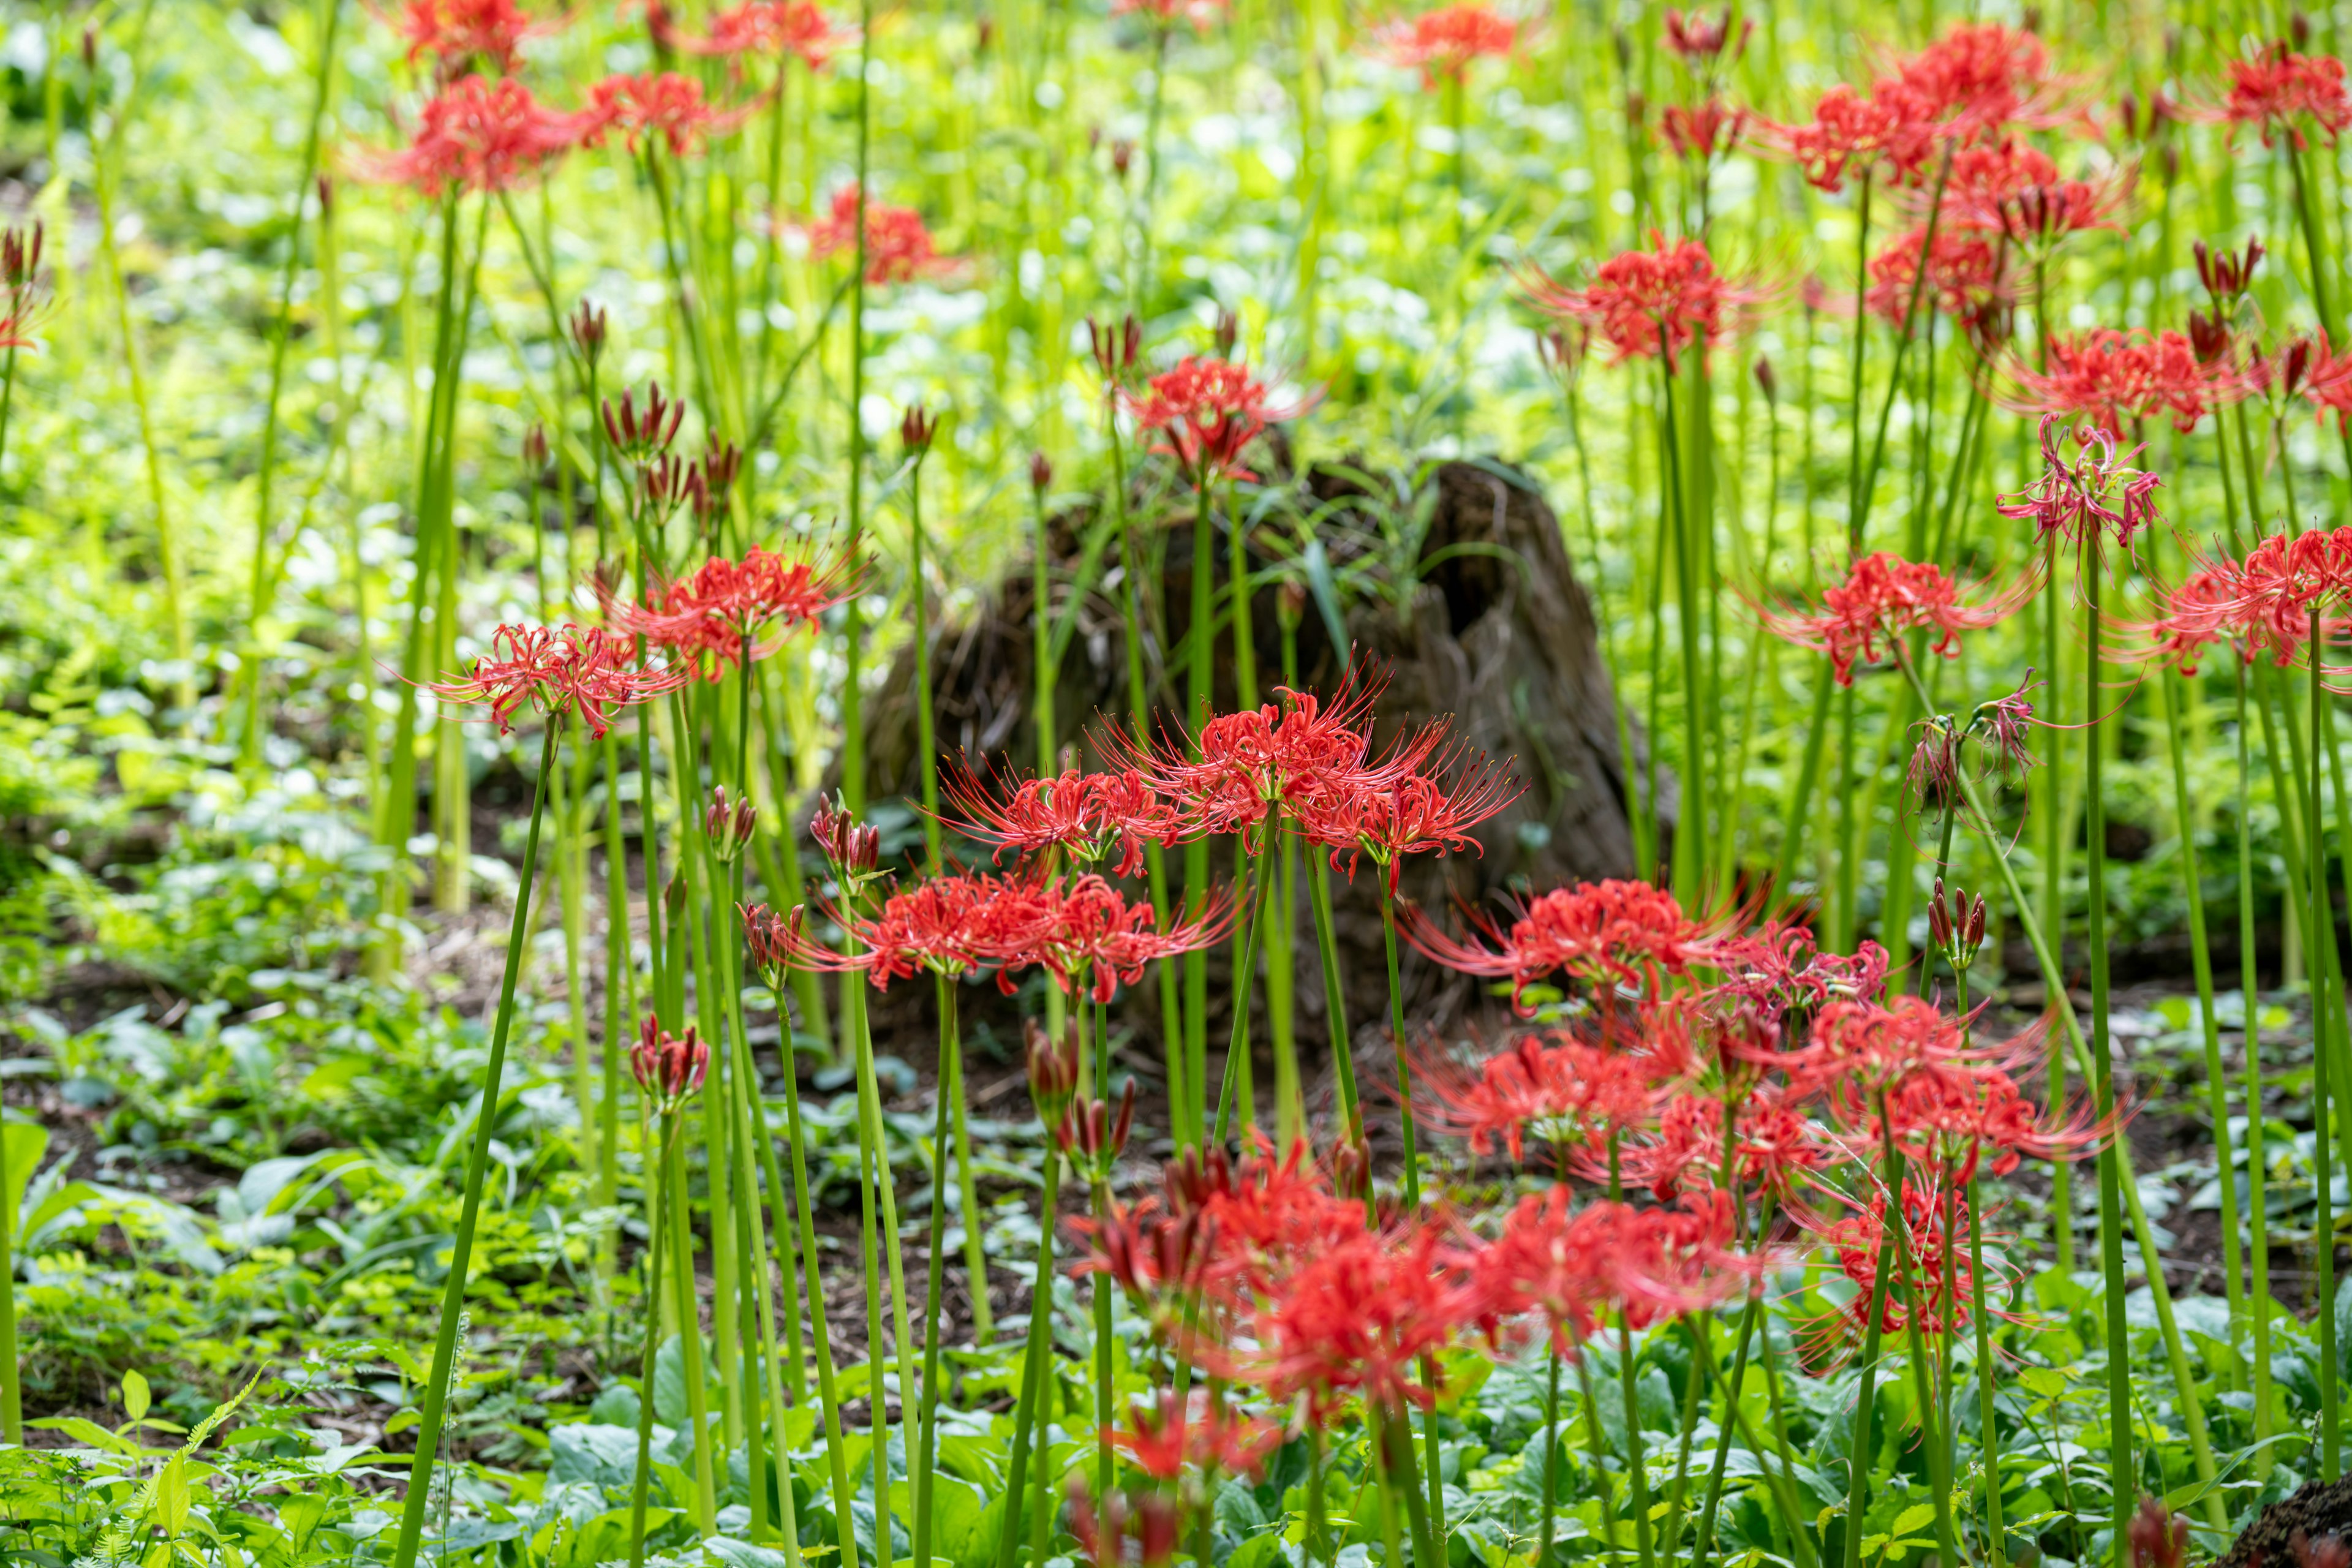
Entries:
{"x":480,"y":133}
{"x":1864,"y":619}
{"x":768,"y":28}
{"x":567,"y":671}
{"x":2265,"y":604}
{"x":1201,"y":14}
{"x":462,"y":33}
{"x":2279,"y":90}
{"x":1650,"y":304}
{"x":728,"y":610}
{"x":668,"y":1068}
{"x":1442,"y":44}
{"x":663,"y":106}
{"x":2094,"y":495}
{"x":2107,"y":377}
{"x":1609,"y":933}
{"x":898,"y":245}
{"x":1205,"y":412}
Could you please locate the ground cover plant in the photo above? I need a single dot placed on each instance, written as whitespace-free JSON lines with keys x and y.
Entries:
{"x":757,"y":804}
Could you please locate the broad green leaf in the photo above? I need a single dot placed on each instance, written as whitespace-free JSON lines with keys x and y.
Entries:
{"x":136,"y":1395}
{"x":1916,"y":1517}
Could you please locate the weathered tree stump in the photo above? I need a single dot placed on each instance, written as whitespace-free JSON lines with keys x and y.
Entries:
{"x":1496,"y":631}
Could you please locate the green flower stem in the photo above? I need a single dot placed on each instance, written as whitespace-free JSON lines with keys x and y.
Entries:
{"x":1644,"y":823}
{"x":820,"y":1341}
{"x":926,"y":748}
{"x":1343,"y":1056}
{"x":754,"y":1230}
{"x":1799,"y":813}
{"x":2257,"y":1160}
{"x":1859,"y":1445}
{"x":478,"y":1159}
{"x":694,"y":1360}
{"x":2327,"y":1027}
{"x":1199,"y":694}
{"x":1898,"y":1230}
{"x":1551,"y":1457}
{"x":1784,"y":1485}
{"x":2169,"y":1328}
{"x":1035,"y":1370}
{"x":657,"y":1179}
{"x":1238,"y":1044}
{"x":852,"y":624}
{"x":2170,"y":687}
{"x":264,"y":577}
{"x":927,"y":1443}
{"x":1398,"y":1476}
{"x":2054,"y":892}
{"x":1429,"y":1423}
{"x":1636,"y":1462}
{"x":1690,"y":830}
{"x":1040,"y":653}
{"x":1598,"y":1442}
{"x":12,"y":1369}
{"x":1989,"y":1450}
{"x":875,"y":1182}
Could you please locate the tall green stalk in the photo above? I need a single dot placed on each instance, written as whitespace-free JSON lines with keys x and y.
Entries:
{"x":1036,"y":1372}
{"x":478,"y":1159}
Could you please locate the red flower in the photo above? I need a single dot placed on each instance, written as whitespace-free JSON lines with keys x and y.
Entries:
{"x":2094,"y":495}
{"x":1206,"y":412}
{"x":463,"y":32}
{"x":944,"y":925}
{"x":1980,"y":75}
{"x":668,"y":1068}
{"x":2280,"y":89}
{"x":1706,"y":130}
{"x":1603,"y":933}
{"x":772,"y":28}
{"x":1868,"y":1048}
{"x":1893,"y":126}
{"x":898,"y":249}
{"x":1699,"y":40}
{"x":2281,"y":582}
{"x":2104,"y":374}
{"x":1271,"y":1218}
{"x":1360,"y":1317}
{"x":1167,"y":13}
{"x":1649,"y":1264}
{"x":1941,"y":1285}
{"x":1211,"y":1438}
{"x":2197,"y":615}
{"x":1772,"y":1143}
{"x":1779,"y":968}
{"x":1952,"y":1120}
{"x":707,"y":619}
{"x":1086,"y":815}
{"x":1647,"y":302}
{"x":1862,"y":619}
{"x":1154,"y":1523}
{"x":1965,"y":273}
{"x":1443,"y":43}
{"x":475,"y":135}
{"x":1427,"y":811}
{"x":664,"y":104}
{"x":1086,"y":930}
{"x":560,"y":670}
{"x":1565,"y":1092}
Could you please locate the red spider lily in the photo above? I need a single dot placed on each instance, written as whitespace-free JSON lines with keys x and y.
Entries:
{"x":2105,"y":374}
{"x":1564,"y":1091}
{"x":2037,"y":217}
{"x":1201,"y":14}
{"x":1085,"y":932}
{"x":2001,"y":725}
{"x":460,"y":31}
{"x":2279,"y":90}
{"x":1649,"y":1264}
{"x":771,"y":27}
{"x":1981,"y":75}
{"x":1426,"y":812}
{"x":2281,"y":584}
{"x":943,"y":925}
{"x":1443,"y":43}
{"x":567,"y":670}
{"x":1850,"y":132}
{"x":476,"y":135}
{"x":1271,"y":1218}
{"x":20,"y":280}
{"x":1086,"y":815}
{"x":1869,"y":1048}
{"x":1309,"y":756}
{"x":1156,"y":1258}
{"x":1699,"y":41}
{"x":1153,"y":1524}
{"x":2325,"y":378}
{"x":1779,"y":968}
{"x":2196,"y":614}
{"x":1649,"y":302}
{"x":1773,"y":1145}
{"x":2095,"y":495}
{"x":1984,"y":175}
{"x":1953,"y":1120}
{"x":1604,"y":933}
{"x":1941,"y":1285}
{"x":710,"y":619}
{"x":1362,"y":1317}
{"x":1705,"y":129}
{"x":2158,"y":1538}
{"x":898,"y":247}
{"x":1965,"y":271}
{"x":2227,"y":274}
{"x":1210,"y":1437}
{"x":668,"y":1068}
{"x":657,"y":104}
{"x":1206,"y":410}
{"x":1864,"y":618}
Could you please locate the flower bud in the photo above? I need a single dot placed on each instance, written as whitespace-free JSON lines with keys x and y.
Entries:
{"x":1041,"y":473}
{"x":1192,"y":1179}
{"x":534,"y":450}
{"x":1352,"y":1167}
{"x":728,"y":826}
{"x":667,"y":1067}
{"x":326,"y":195}
{"x":639,"y":436}
{"x":850,"y":846}
{"x":89,"y":48}
{"x":915,"y":429}
{"x":1766,"y":382}
{"x":587,"y":327}
{"x":1123,"y":157}
{"x":1053,"y":1070}
{"x":1091,"y":1129}
{"x":1228,"y":332}
{"x":771,"y":937}
{"x":2159,"y":1539}
{"x":2298,"y":28}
